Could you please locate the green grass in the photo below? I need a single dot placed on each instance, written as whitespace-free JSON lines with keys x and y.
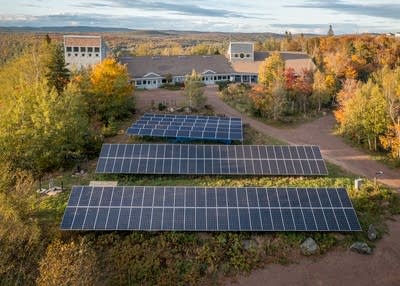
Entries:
{"x":167,"y":258}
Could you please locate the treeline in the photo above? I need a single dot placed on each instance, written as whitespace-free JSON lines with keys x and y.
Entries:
{"x":358,"y":76}
{"x":50,"y":116}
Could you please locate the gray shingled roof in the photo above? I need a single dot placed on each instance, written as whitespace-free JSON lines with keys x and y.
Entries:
{"x":246,"y":48}
{"x":138,"y":67}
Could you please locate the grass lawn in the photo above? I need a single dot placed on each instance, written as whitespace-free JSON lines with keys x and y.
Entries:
{"x":167,"y":258}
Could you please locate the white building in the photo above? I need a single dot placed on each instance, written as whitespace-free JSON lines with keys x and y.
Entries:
{"x":83,"y":51}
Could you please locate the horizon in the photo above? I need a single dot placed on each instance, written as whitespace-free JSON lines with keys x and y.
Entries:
{"x":295,"y":16}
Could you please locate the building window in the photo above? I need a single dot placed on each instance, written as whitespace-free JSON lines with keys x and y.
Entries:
{"x":69,"y":49}
{"x":89,"y":55}
{"x":139,"y":82}
{"x":82,"y":55}
{"x":96,"y":50}
{"x":83,"y":49}
{"x":76,"y":49}
{"x":144,"y":82}
{"x":76,"y":55}
{"x":90,"y":49}
{"x":69,"y":54}
{"x":241,"y":55}
{"x":97,"y":55}
{"x":248,"y":55}
{"x":236,"y":55}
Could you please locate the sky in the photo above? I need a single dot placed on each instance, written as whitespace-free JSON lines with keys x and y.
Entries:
{"x":296,"y":16}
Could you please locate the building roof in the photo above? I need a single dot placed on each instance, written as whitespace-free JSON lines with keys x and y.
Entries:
{"x":241,"y":47}
{"x":297,"y":61}
{"x":140,"y":67}
{"x":82,"y":41}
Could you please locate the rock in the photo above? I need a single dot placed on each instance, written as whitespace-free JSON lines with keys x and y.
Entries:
{"x":247,"y":244}
{"x":309,"y":247}
{"x":372,"y":233}
{"x":361,"y":247}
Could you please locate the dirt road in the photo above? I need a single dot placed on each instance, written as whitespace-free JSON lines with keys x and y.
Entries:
{"x":318,"y":132}
{"x":338,"y":268}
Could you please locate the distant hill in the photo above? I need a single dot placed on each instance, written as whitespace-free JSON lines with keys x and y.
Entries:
{"x":89,"y":29}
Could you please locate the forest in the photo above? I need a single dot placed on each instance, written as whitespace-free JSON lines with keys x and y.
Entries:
{"x":51,"y":118}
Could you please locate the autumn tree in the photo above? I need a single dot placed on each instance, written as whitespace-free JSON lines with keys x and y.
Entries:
{"x":271,"y":71}
{"x":320,"y":91}
{"x":38,"y":128}
{"x":194,"y":90}
{"x":390,"y":81}
{"x":111,"y":94}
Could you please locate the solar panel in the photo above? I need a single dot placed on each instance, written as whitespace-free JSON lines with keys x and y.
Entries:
{"x":211,"y":159}
{"x":209,"y":209}
{"x":189,"y":127}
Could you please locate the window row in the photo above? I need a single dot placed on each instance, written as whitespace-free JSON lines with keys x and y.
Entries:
{"x":82,"y":55}
{"x":83,"y":49}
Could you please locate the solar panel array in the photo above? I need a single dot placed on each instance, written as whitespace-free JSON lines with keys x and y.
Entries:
{"x":211,"y":159}
{"x":190,"y":127}
{"x":209,"y":209}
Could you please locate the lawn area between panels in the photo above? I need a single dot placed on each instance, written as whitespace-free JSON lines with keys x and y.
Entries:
{"x":165,"y":258}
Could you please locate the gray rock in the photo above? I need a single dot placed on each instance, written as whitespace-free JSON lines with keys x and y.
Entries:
{"x":309,"y":247}
{"x":247,"y":244}
{"x":372,"y":233}
{"x":361,"y":247}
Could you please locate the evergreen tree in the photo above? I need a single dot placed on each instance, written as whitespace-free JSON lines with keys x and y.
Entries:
{"x":58,"y":74}
{"x":330,"y":31}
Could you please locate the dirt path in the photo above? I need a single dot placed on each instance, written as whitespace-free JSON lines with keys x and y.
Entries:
{"x":318,"y":132}
{"x":338,"y":268}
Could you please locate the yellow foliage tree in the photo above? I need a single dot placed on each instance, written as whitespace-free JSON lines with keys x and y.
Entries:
{"x":112,"y":92}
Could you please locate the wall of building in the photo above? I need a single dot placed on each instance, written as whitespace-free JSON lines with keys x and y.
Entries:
{"x":79,"y":55}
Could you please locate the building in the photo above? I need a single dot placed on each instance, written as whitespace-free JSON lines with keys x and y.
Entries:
{"x":241,"y":64}
{"x":83,"y":51}
{"x":152,"y":72}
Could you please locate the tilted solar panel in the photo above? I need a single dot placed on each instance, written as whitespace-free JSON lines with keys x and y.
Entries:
{"x":191,"y":127}
{"x":209,"y":209}
{"x":211,"y":159}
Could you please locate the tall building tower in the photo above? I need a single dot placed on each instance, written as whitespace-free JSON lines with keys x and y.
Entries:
{"x":83,"y":51}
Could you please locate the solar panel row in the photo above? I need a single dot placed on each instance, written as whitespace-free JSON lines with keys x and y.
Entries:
{"x":188,"y":127}
{"x":210,"y":159}
{"x":209,"y":209}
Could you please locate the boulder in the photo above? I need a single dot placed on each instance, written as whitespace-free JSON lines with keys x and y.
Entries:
{"x":309,"y":247}
{"x":361,"y":247}
{"x":372,"y":233}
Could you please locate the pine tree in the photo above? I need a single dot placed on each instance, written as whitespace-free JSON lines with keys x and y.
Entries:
{"x":330,"y":31}
{"x":58,"y":74}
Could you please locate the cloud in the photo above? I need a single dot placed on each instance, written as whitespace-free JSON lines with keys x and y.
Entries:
{"x":178,"y":7}
{"x":388,"y":11}
{"x":133,"y":22}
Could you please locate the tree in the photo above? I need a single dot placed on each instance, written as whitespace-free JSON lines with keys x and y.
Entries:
{"x":39,"y":129}
{"x":194,"y":90}
{"x":58,"y":74}
{"x":111,"y":93}
{"x":320,"y":94}
{"x":271,"y":70}
{"x":330,"y":31}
